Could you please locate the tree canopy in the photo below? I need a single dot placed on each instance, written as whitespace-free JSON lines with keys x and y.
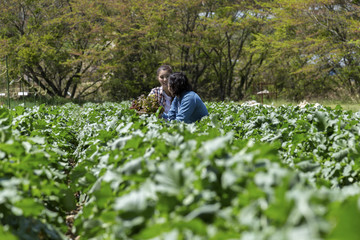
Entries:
{"x":78,"y":48}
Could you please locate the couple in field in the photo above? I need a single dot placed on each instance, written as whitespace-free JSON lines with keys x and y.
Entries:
{"x":175,"y":95}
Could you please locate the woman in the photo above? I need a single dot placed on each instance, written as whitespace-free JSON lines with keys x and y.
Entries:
{"x":162,"y":93}
{"x":187,"y":106}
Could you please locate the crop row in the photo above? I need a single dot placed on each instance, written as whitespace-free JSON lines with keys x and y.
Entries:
{"x":100,"y":171}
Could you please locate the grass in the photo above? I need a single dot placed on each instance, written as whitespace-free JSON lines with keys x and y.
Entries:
{"x":36,"y":101}
{"x":355,"y":107}
{"x":346,"y":105}
{"x":31,"y":101}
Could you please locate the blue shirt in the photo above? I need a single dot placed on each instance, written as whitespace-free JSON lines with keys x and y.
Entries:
{"x":188,"y":107}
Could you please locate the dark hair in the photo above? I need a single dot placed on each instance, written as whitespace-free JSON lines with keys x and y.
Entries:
{"x":164,"y":68}
{"x":178,"y":82}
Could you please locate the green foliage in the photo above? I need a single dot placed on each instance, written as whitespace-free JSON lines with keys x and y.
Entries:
{"x":308,"y":48}
{"x":261,"y":171}
{"x":110,"y":50}
{"x":344,"y":217}
{"x":54,"y":45}
{"x":148,"y":104}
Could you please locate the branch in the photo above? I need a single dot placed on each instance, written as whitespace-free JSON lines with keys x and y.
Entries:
{"x":38,"y":82}
{"x":70,"y":80}
{"x":326,"y":26}
{"x":48,"y":81}
{"x":88,"y":87}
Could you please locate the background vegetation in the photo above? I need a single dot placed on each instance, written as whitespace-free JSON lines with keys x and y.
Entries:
{"x":110,"y":50}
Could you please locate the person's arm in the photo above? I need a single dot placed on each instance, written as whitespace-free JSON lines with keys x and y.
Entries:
{"x":171,"y":115}
{"x":156,"y":92}
{"x":187,"y":107}
{"x":152,"y":92}
{"x":158,"y":96}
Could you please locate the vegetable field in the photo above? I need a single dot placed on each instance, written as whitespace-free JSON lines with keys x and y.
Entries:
{"x":101,"y":171}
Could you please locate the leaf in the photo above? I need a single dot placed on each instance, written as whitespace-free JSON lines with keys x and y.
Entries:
{"x":322,"y":120}
{"x":68,"y":200}
{"x":103,"y":195}
{"x":228,"y":178}
{"x":203,"y":210}
{"x":211,"y":146}
{"x":120,"y":142}
{"x":5,"y":233}
{"x":29,"y":207}
{"x":170,"y":178}
{"x":136,"y":201}
{"x":153,"y":231}
{"x":345,"y":218}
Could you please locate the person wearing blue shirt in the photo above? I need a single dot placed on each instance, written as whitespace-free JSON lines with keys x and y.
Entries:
{"x":187,"y":106}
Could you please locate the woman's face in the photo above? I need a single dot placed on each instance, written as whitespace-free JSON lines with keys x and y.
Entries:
{"x":163,"y":78}
{"x":170,"y":90}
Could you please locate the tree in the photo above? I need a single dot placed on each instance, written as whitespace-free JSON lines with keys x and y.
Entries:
{"x":137,"y":51}
{"x":171,"y":36}
{"x":58,"y":45}
{"x":339,"y":22}
{"x":187,"y":37}
{"x":231,"y":29}
{"x":313,"y":48}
